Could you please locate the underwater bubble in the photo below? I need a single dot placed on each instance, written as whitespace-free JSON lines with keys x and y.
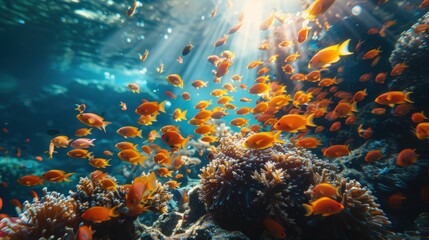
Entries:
{"x":165,"y":36}
{"x":203,"y":17}
{"x":168,"y":104}
{"x":128,"y":40}
{"x":20,"y":21}
{"x":169,"y":30}
{"x":356,"y":10}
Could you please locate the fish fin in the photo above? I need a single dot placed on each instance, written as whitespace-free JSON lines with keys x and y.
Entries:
{"x":277,"y":138}
{"x":183,"y":115}
{"x":354,"y":107}
{"x":112,"y":212}
{"x":185,"y":141}
{"x":66,"y":177}
{"x":161,"y":106}
{"x":343,"y":49}
{"x":308,"y":209}
{"x":139,"y":133}
{"x":151,"y":181}
{"x":309,"y":120}
{"x":337,"y":191}
{"x":407,"y":97}
{"x":103,"y":126}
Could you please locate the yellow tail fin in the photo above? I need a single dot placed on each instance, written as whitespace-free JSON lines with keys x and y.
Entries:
{"x":161,"y":106}
{"x":308,"y":209}
{"x":343,"y":49}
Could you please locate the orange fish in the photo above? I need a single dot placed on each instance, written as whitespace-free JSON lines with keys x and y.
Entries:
{"x":294,"y":123}
{"x":395,"y":200}
{"x":365,"y":77}
{"x":335,"y":151}
{"x":170,"y":94}
{"x":82,"y":132}
{"x":79,"y":107}
{"x":318,"y":7}
{"x":381,"y":77}
{"x":254,"y":64}
{"x":164,"y":172}
{"x":373,"y":155}
{"x":172,"y":184}
{"x":235,"y":28}
{"x":186,"y":96}
{"x":398,"y":69}
{"x":199,"y":84}
{"x":179,"y":115}
{"x":148,"y":108}
{"x":160,"y":69}
{"x":126,"y":145}
{"x":140,"y":190}
{"x":79,"y":153}
{"x":303,"y":34}
{"x":418,"y":117}
{"x":56,"y":176}
{"x":324,"y":205}
{"x":175,"y":80}
{"x":359,"y":95}
{"x":175,"y":139}
{"x":93,"y":120}
{"x":84,"y":233}
{"x":99,"y":162}
{"x":336,"y":126}
{"x":61,"y":141}
{"x":108,"y":184}
{"x":144,"y":56}
{"x":209,"y":139}
{"x":407,"y":157}
{"x":393,"y":97}
{"x":134,"y":87}
{"x":263,"y":140}
{"x":30,"y":180}
{"x":344,"y":109}
{"x":371,"y":54}
{"x":274,"y":228}
{"x":288,"y":69}
{"x":325,"y":57}
{"x":422,"y":130}
{"x":222,"y":68}
{"x":325,"y":190}
{"x":378,"y":111}
{"x":402,"y":109}
{"x":99,"y":214}
{"x":132,"y":156}
{"x":308,"y":142}
{"x":130,"y":12}
{"x":239,"y":122}
{"x":221,"y":41}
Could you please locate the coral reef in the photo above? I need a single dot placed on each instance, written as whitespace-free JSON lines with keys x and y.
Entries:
{"x":240,"y":187}
{"x":52,"y":216}
{"x":55,"y":216}
{"x":413,"y":49}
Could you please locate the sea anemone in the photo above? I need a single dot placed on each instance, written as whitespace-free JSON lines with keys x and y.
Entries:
{"x":50,"y":217}
{"x":241,"y":187}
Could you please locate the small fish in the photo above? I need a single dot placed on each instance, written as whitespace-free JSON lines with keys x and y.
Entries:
{"x":336,"y":151}
{"x":263,"y":140}
{"x":175,"y":80}
{"x":80,"y":107}
{"x":373,"y":155}
{"x":274,"y":228}
{"x":324,"y":206}
{"x":56,"y":176}
{"x":179,"y":59}
{"x":371,"y":53}
{"x":144,"y":56}
{"x":129,"y":131}
{"x":130,"y":12}
{"x":179,"y":115}
{"x":99,"y":214}
{"x":187,"y":49}
{"x":164,"y":172}
{"x":394,"y":97}
{"x":422,"y":130}
{"x":172,"y":184}
{"x":134,"y":87}
{"x":93,"y":120}
{"x":395,"y":200}
{"x":99,"y":162}
{"x":325,"y":57}
{"x":294,"y":122}
{"x":325,"y":190}
{"x":108,"y":184}
{"x":84,"y":233}
{"x":123,"y":106}
{"x":406,"y":157}
{"x":418,"y":117}
{"x":79,"y":153}
{"x":318,"y":7}
{"x":30,"y":180}
{"x":160,"y":68}
{"x":82,"y":132}
{"x":221,"y":41}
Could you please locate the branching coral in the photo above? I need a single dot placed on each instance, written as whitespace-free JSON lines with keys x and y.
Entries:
{"x":240,"y":187}
{"x":51,"y":216}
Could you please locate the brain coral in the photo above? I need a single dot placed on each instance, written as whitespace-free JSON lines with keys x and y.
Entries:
{"x":241,"y":187}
